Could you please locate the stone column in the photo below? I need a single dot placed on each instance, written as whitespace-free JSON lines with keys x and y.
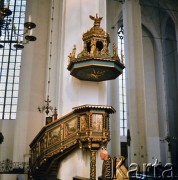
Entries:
{"x":114,"y":9}
{"x":135,"y":80}
{"x":32,"y":80}
{"x":70,"y":91}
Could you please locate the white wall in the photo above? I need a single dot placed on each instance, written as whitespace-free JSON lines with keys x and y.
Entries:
{"x":73,"y":92}
{"x":78,"y":164}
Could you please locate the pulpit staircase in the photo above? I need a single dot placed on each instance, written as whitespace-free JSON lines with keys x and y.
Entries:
{"x":86,"y":126}
{"x":49,"y":169}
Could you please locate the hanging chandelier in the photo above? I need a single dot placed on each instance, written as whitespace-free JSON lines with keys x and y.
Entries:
{"x":11,"y":31}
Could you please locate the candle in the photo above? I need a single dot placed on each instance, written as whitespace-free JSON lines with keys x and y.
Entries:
{"x":31,"y":32}
{"x":7,"y":5}
{"x":29,"y":18}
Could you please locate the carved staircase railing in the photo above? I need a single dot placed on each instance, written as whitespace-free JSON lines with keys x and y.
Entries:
{"x":86,"y":126}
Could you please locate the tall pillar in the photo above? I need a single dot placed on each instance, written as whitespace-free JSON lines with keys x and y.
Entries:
{"x":135,"y":80}
{"x":72,"y":21}
{"x":114,"y":145}
{"x":32,"y":81}
{"x":114,"y":8}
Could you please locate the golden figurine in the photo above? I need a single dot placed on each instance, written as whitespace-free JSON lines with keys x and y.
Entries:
{"x":97,"y":20}
{"x":69,"y":58}
{"x":104,"y":51}
{"x":115,"y":55}
{"x":73,"y":51}
{"x":93,"y":47}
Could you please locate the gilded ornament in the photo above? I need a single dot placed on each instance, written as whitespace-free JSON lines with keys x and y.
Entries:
{"x":95,"y":55}
{"x":73,"y":51}
{"x":96,"y":74}
{"x":82,"y":127}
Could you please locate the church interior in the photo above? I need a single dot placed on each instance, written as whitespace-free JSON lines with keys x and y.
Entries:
{"x":77,"y":76}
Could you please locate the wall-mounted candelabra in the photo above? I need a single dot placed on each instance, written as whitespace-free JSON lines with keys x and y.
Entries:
{"x":47,"y":109}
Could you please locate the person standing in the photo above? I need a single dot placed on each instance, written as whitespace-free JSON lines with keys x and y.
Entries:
{"x":110,"y":173}
{"x":107,"y":164}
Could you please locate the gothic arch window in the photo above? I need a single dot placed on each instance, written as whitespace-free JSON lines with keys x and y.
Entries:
{"x":10,"y":62}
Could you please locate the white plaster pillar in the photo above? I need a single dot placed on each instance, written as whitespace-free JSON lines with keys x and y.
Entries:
{"x":32,"y":80}
{"x":152,"y":132}
{"x":114,"y":9}
{"x":73,"y":20}
{"x":135,"y":80}
{"x":115,"y":119}
{"x":73,"y":23}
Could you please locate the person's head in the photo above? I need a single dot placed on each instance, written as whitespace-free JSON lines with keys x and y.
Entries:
{"x":103,"y":154}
